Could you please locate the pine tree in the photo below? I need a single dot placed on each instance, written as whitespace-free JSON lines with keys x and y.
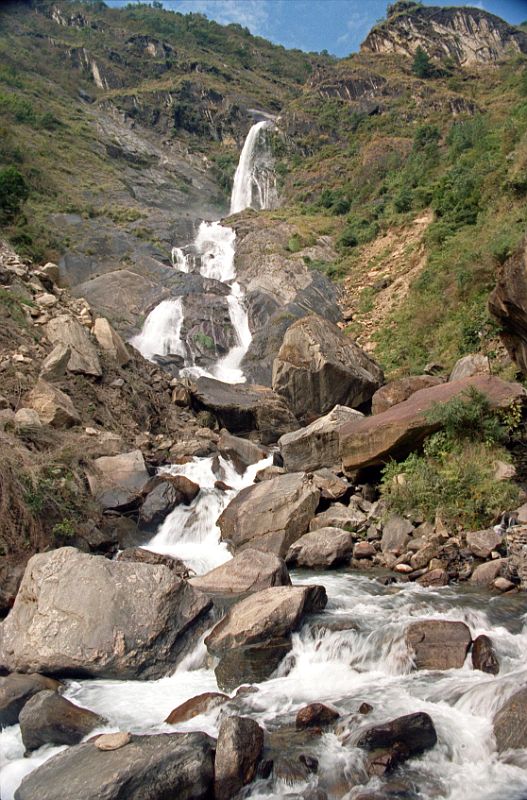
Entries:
{"x":422,"y":66}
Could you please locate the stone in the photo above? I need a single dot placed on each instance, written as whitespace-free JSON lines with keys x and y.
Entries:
{"x":148,"y":767}
{"x":15,"y":691}
{"x":238,"y":752}
{"x":422,"y":557}
{"x":316,"y":445}
{"x":319,"y":367}
{"x":434,"y":577}
{"x":78,"y":613}
{"x":53,"y":406}
{"x":200,"y":704}
{"x":396,"y":534}
{"x":53,"y":368}
{"x":339,"y":516}
{"x":321,"y":548}
{"x":249,"y":571}
{"x":503,"y":585}
{"x":116,"y":481}
{"x":508,"y":305}
{"x":510,"y":722}
{"x":271,"y":515}
{"x":52,"y":271}
{"x":267,"y":473}
{"x":363,"y":550}
{"x":484,"y":656}
{"x":438,"y":644}
{"x":163,"y":493}
{"x":48,"y":718}
{"x":400,"y":390}
{"x":486,"y":573}
{"x":482,"y":543}
{"x":27,"y":419}
{"x":148,"y":557}
{"x":110,"y":341}
{"x":46,"y":300}
{"x":112,"y":741}
{"x":400,"y":430}
{"x":466,"y":367}
{"x":416,"y":732}
{"x":331,"y":486}
{"x":315,"y":715}
{"x":504,"y":471}
{"x":67,"y":331}
{"x":244,"y":408}
{"x":240,"y":451}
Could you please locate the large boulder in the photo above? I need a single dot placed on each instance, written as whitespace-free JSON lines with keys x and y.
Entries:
{"x":82,"y":614}
{"x":396,"y":534}
{"x":321,"y":548}
{"x":486,"y":573}
{"x":48,"y":718}
{"x":116,"y":481}
{"x":163,"y":493}
{"x":473,"y":364}
{"x":243,"y":408}
{"x":110,"y":341}
{"x":316,"y":445}
{"x":508,"y":305}
{"x":398,"y":431}
{"x":270,"y":515}
{"x":339,"y":516}
{"x":238,"y":751}
{"x":319,"y":367}
{"x":67,"y":331}
{"x":482,"y":543}
{"x":438,"y":643}
{"x":413,"y":733}
{"x":510,"y":723}
{"x":149,"y":557}
{"x":241,"y":452}
{"x":146,"y":768}
{"x":16,"y":689}
{"x":400,"y":390}
{"x":53,"y":406}
{"x":249,"y":571}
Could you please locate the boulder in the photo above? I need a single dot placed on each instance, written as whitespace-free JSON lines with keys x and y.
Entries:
{"x":238,"y":752}
{"x":82,"y":614}
{"x":398,"y":391}
{"x":116,"y":481}
{"x":16,"y":689}
{"x":466,"y":367}
{"x":315,"y":715}
{"x":67,"y":331}
{"x":48,"y":718}
{"x":316,"y":445}
{"x":163,"y":493}
{"x":486,"y":573}
{"x":510,"y":723}
{"x":110,"y":341}
{"x":339,"y":516}
{"x":331,"y":486}
{"x":435,"y":577}
{"x":243,"y":408}
{"x":363,"y":550}
{"x":147,"y":768}
{"x":416,"y":732}
{"x":27,"y":419}
{"x":323,"y":547}
{"x":149,"y":557}
{"x":401,"y":429}
{"x":482,"y":543}
{"x":396,"y":534}
{"x":53,"y":407}
{"x":508,"y":305}
{"x":438,"y":643}
{"x":319,"y":367}
{"x":240,"y":451}
{"x":200,"y":704}
{"x":53,"y":368}
{"x":484,"y":656}
{"x":270,"y":515}
{"x":249,"y":571}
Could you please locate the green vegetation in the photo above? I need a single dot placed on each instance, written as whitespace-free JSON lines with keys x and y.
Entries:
{"x":422,"y":66}
{"x":205,"y":341}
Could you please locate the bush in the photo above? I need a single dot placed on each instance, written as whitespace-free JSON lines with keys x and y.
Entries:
{"x":422,"y":66}
{"x":13,"y":191}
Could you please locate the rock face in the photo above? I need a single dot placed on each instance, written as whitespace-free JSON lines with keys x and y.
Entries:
{"x":508,"y":305}
{"x":147,"y":768}
{"x":316,"y":445}
{"x":510,"y":723}
{"x":396,"y":392}
{"x":270,"y":515}
{"x":118,"y":480}
{"x":243,"y":408}
{"x":249,"y":571}
{"x":438,"y":644}
{"x":53,"y":407}
{"x":238,"y":751}
{"x":67,"y":331}
{"x":396,"y":432}
{"x":324,"y":547}
{"x":16,"y":690}
{"x":318,"y":367}
{"x":49,"y":718}
{"x":470,"y":36}
{"x":77,"y":614}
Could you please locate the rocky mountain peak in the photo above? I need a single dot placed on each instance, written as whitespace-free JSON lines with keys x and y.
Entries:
{"x":469,"y":36}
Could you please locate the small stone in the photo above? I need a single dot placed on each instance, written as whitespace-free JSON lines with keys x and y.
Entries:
{"x":46,"y":300}
{"x":315,"y":714}
{"x":112,"y":741}
{"x":365,"y":708}
{"x":503,"y":585}
{"x":117,"y":383}
{"x":91,"y":431}
{"x":403,"y":568}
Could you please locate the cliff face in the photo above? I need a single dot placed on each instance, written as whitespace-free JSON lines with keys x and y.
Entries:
{"x":469,"y":36}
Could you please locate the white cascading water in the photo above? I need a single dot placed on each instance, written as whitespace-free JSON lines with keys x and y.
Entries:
{"x":179,"y":260}
{"x":254,"y":181}
{"x":161,"y":334}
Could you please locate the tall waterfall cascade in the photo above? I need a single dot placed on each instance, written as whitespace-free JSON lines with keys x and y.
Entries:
{"x":213,"y":251}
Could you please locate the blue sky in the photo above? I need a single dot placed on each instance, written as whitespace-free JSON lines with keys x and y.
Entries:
{"x":338,"y":26}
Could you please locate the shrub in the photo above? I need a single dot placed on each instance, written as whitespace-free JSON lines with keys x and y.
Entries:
{"x":422,"y":66}
{"x":13,"y":191}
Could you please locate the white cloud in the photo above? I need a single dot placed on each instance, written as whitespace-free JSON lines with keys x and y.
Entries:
{"x":252,"y":14}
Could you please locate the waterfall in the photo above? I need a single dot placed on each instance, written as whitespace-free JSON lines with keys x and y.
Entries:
{"x":254,"y":181}
{"x":179,"y":260}
{"x":161,"y":334}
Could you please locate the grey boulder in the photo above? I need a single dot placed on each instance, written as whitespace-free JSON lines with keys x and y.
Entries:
{"x":438,"y":644}
{"x":48,"y":718}
{"x":116,"y":481}
{"x":238,"y":751}
{"x":316,"y":445}
{"x":67,"y":331}
{"x":15,"y":691}
{"x":249,"y":571}
{"x":323,"y":547}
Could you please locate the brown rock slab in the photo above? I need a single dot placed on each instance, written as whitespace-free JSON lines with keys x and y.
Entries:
{"x":241,"y":452}
{"x":16,"y":689}
{"x":438,"y":644}
{"x":434,"y":577}
{"x":249,"y":571}
{"x":398,"y":391}
{"x":316,"y":445}
{"x":196,"y":706}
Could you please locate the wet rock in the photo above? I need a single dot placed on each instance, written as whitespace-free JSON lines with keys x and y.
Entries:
{"x":240,"y":451}
{"x":110,"y":341}
{"x":163,"y":765}
{"x":363,"y":550}
{"x":398,"y":391}
{"x":67,"y":331}
{"x":396,"y":534}
{"x":250,"y":664}
{"x":365,"y":708}
{"x":249,"y":571}
{"x":238,"y":751}
{"x":438,"y":644}
{"x":271,"y":515}
{"x":315,"y":715}
{"x":53,"y":406}
{"x":200,"y":704}
{"x":435,"y":577}
{"x":163,"y":494}
{"x":484,"y":656}
{"x":323,"y":548}
{"x":53,"y":368}
{"x":510,"y":723}
{"x":318,"y":367}
{"x":400,"y":430}
{"x":415,"y":732}
{"x":119,"y":480}
{"x":503,"y":585}
{"x":316,"y":445}
{"x":482,"y":543}
{"x":48,"y":718}
{"x":139,"y":554}
{"x":339,"y":516}
{"x":79,"y":614}
{"x":466,"y":367}
{"x":15,"y":691}
{"x":486,"y":573}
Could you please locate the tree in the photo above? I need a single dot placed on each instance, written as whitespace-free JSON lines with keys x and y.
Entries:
{"x":13,"y":191}
{"x":422,"y":66}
